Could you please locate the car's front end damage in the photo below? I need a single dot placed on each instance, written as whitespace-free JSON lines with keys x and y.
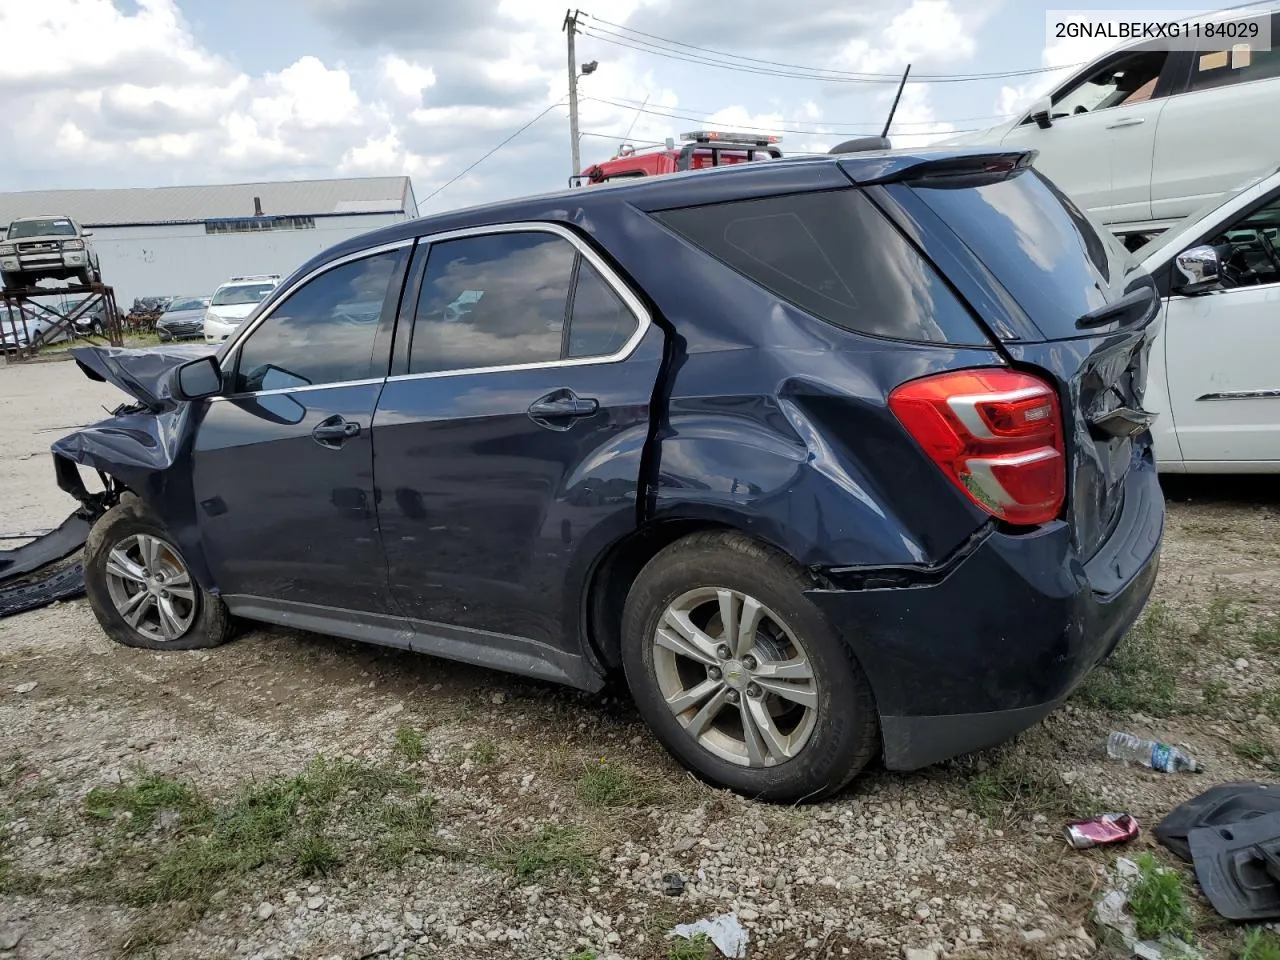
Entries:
{"x":132,"y":450}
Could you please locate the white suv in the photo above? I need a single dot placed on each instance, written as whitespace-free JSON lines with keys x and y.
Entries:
{"x":233,"y":302}
{"x":1143,"y":137}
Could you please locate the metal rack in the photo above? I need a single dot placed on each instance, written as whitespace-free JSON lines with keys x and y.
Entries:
{"x":13,"y":318}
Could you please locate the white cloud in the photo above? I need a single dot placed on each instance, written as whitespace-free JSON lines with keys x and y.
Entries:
{"x":406,"y":78}
{"x":930,"y":31}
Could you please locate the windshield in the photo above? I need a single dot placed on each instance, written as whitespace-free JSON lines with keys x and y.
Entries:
{"x":244,"y":293}
{"x":60,"y":227}
{"x":187,"y":303}
{"x":1160,"y":239}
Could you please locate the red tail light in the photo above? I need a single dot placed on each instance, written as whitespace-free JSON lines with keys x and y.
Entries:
{"x":996,"y":433}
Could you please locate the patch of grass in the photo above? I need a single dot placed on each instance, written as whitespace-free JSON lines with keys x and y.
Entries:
{"x":1215,"y":619}
{"x":692,"y":948}
{"x":1018,"y":785}
{"x":1252,"y":750}
{"x":586,"y":953}
{"x":138,"y":804}
{"x":1214,"y":694}
{"x":409,"y":743}
{"x":408,"y":828}
{"x":607,"y":785}
{"x":1158,"y":901}
{"x":1141,"y":676}
{"x":306,"y":824}
{"x":1268,"y":702}
{"x":484,"y":752}
{"x":1260,"y":944}
{"x":1266,"y":636}
{"x":553,"y":849}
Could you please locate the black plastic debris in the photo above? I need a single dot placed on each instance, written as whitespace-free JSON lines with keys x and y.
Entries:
{"x":53,"y":546}
{"x":1224,"y":804}
{"x":1238,"y":867}
{"x":62,"y":585}
{"x":673,"y":884}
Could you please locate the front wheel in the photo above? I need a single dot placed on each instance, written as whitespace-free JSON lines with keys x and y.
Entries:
{"x":740,"y":675}
{"x":141,"y":589}
{"x":14,"y":281}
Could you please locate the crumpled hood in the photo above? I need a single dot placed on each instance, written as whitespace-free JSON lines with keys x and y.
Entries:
{"x":143,"y":374}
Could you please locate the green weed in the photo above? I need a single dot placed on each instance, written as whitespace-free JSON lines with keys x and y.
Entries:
{"x":1158,"y":902}
{"x":1141,"y":676}
{"x":409,"y":743}
{"x":1260,"y":944}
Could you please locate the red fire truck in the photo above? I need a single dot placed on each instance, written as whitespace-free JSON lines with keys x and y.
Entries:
{"x":701,"y":148}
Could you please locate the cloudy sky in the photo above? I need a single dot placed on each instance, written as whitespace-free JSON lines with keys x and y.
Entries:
{"x":101,"y":93}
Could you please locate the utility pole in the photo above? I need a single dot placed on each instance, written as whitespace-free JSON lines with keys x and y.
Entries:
{"x":570,"y":27}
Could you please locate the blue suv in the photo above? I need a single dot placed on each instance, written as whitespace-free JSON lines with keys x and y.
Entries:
{"x":829,"y":456}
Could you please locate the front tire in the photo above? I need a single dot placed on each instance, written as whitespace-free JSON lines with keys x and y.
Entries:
{"x":15,"y":281}
{"x":740,"y":676}
{"x":141,"y":589}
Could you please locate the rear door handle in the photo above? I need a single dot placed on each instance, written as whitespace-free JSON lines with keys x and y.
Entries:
{"x":335,"y":431}
{"x":558,"y":410}
{"x":1129,"y":122}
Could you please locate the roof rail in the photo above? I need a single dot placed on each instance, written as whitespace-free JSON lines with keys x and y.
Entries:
{"x":257,"y":276}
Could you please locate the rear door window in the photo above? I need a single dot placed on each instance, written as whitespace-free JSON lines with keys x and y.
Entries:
{"x":502,"y":299}
{"x":834,"y":255}
{"x":1226,"y":64}
{"x":1052,"y":257}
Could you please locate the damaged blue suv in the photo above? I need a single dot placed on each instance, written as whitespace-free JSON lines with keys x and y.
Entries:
{"x":829,"y":456}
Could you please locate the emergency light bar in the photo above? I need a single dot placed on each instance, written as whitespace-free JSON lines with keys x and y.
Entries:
{"x":710,"y":136}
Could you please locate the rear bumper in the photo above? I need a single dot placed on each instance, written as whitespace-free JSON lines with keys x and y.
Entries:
{"x":985,"y":648}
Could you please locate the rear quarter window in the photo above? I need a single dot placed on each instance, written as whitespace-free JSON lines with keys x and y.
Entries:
{"x":835,"y":256}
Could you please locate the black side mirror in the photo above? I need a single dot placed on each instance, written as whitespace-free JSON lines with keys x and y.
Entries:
{"x":1197,"y":270}
{"x":197,"y":379}
{"x":1041,"y":113}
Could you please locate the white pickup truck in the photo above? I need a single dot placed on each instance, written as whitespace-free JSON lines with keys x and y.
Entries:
{"x":1142,"y":137}
{"x":36,"y":248}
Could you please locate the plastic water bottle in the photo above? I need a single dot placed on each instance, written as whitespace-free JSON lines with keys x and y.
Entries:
{"x":1150,"y":753}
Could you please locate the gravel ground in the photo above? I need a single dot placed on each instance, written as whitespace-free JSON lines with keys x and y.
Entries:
{"x":465,"y":813}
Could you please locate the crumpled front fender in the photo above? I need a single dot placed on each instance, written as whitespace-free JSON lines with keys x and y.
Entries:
{"x":138,"y":449}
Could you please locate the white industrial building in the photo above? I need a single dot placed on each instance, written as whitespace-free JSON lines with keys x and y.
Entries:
{"x":173,"y":241}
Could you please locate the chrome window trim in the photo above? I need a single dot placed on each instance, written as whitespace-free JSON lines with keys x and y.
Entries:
{"x":633,"y":303}
{"x":231,"y":353}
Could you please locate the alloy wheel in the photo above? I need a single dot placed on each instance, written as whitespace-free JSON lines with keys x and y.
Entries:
{"x":735,"y":676}
{"x":151,"y":587}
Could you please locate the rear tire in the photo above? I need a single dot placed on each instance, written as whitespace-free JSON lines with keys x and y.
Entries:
{"x":127,"y":550}
{"x":788,"y":733}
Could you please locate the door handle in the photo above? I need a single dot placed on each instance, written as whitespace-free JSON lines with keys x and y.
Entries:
{"x":564,"y":407}
{"x":1128,"y":122}
{"x":558,"y":410}
{"x":335,"y":431}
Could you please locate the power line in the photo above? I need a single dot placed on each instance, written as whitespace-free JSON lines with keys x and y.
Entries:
{"x":632,"y":103}
{"x":660,"y":46}
{"x":490,"y":153}
{"x":753,"y":129}
{"x":703,"y":55}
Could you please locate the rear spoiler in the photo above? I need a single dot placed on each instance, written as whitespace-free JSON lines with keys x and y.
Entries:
{"x":960,"y":169}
